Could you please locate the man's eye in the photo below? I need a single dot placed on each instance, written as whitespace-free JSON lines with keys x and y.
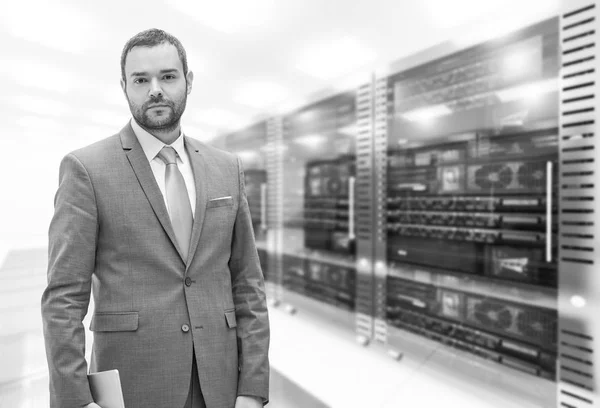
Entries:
{"x":169,"y":77}
{"x":140,"y":80}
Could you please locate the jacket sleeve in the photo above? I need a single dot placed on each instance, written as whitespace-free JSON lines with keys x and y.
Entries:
{"x":250,"y":302}
{"x":71,"y":258}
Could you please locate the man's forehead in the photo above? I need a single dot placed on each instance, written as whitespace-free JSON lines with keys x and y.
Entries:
{"x":162,"y":56}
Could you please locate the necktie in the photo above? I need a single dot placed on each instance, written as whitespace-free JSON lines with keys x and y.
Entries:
{"x":178,"y":200}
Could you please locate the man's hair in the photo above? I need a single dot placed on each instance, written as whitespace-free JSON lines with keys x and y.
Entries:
{"x":151,"y":38}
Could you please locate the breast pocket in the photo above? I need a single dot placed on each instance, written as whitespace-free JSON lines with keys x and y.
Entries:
{"x":114,"y":321}
{"x":220,"y":202}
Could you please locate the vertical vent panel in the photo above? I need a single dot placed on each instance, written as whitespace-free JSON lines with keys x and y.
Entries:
{"x":578,"y":117}
{"x":381,"y":151}
{"x":364,"y":191}
{"x":578,"y":201}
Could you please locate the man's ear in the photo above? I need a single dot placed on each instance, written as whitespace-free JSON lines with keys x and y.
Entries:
{"x":190,"y":78}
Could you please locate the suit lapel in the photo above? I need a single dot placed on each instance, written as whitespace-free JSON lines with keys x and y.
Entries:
{"x":200,"y":169}
{"x":143,"y":171}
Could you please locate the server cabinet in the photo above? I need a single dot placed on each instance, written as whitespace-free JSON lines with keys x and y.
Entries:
{"x":467,"y":265}
{"x":319,"y":233}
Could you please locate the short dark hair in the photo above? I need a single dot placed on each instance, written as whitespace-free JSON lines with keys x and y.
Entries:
{"x":151,"y":38}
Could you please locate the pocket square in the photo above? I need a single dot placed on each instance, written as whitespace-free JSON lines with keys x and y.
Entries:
{"x":220,"y":202}
{"x":220,"y":198}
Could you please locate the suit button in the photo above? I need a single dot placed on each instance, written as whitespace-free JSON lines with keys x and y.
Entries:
{"x":188,"y":281}
{"x":185,"y":328}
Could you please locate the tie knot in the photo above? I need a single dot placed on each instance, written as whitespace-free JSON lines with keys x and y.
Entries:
{"x":168,"y":155}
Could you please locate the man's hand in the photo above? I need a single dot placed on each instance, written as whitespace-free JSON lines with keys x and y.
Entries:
{"x":92,"y":405}
{"x":244,"y":401}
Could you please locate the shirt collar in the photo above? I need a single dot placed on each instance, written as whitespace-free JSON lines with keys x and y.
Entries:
{"x":152,"y":145}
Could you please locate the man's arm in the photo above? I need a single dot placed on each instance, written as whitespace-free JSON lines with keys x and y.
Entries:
{"x":250,"y":304}
{"x":71,"y":257}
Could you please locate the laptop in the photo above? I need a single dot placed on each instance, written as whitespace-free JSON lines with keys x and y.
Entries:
{"x":106,"y":389}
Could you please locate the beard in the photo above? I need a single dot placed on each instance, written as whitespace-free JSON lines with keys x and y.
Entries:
{"x":164,"y":119}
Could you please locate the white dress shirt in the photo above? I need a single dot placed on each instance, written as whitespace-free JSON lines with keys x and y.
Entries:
{"x":152,"y":146}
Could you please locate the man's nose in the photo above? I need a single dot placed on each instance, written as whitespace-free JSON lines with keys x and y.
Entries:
{"x":155,"y":89}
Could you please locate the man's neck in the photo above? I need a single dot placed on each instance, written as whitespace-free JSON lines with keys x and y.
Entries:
{"x":167,"y":136}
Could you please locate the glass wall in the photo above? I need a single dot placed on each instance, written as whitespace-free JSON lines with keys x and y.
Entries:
{"x":471,"y":212}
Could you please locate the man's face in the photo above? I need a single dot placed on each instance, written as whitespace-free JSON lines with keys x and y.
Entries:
{"x":155,"y":86}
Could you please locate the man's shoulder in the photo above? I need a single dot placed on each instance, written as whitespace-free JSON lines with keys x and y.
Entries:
{"x":99,"y":150}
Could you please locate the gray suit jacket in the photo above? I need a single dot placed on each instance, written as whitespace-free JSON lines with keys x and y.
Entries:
{"x":111,"y":236}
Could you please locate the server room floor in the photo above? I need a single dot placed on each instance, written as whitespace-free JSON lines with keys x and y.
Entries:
{"x":325,"y":359}
{"x":315,"y":361}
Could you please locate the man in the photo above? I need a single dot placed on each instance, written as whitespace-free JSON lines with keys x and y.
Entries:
{"x":157,"y":226}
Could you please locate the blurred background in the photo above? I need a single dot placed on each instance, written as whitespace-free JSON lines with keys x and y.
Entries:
{"x":418,"y":186}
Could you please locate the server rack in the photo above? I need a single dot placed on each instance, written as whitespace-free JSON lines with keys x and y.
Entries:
{"x":318,"y":258}
{"x":470,"y":171}
{"x":503,"y":197}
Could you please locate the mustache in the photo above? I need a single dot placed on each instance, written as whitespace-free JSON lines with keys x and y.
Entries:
{"x":157,"y":102}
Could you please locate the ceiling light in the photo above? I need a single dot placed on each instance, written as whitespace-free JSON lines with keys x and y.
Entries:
{"x":335,"y":59}
{"x":314,"y":140}
{"x":523,"y":60}
{"x":426,"y":114}
{"x":530,"y":91}
{"x":260,"y":94}
{"x":578,"y":301}
{"x":227,"y":16}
